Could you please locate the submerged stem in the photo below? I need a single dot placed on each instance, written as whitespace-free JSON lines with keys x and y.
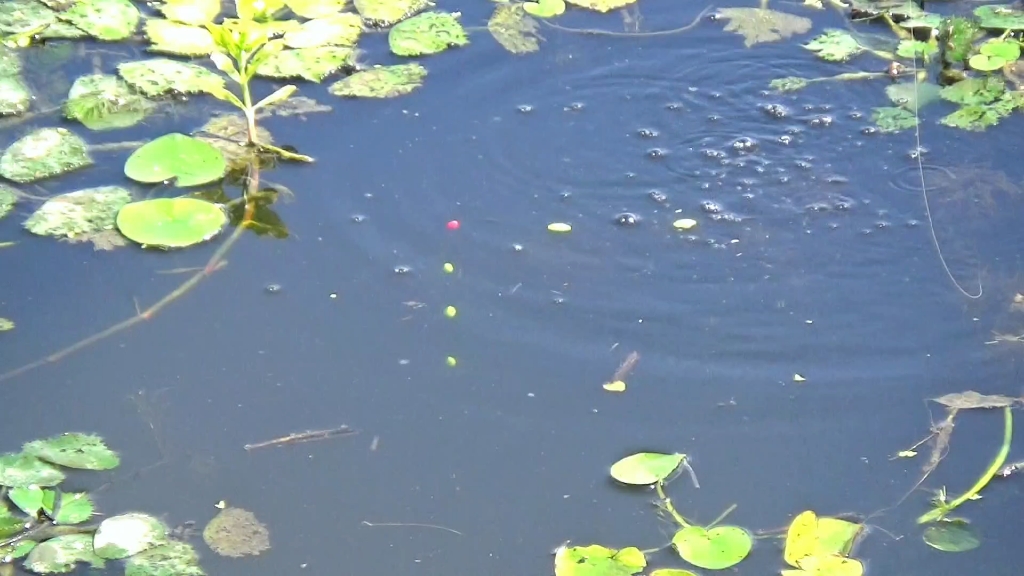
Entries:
{"x":667,"y":504}
{"x":940,"y":511}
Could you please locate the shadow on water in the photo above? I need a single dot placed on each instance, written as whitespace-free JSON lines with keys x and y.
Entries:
{"x":811,"y":256}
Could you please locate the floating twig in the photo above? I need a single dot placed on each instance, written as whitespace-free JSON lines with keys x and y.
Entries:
{"x":307,"y":436}
{"x":415,"y":524}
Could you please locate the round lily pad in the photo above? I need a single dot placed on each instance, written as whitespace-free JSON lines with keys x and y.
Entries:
{"x":177,"y":558}
{"x":80,"y":213}
{"x":159,"y":76}
{"x":597,"y":560}
{"x":27,"y":470}
{"x":236,"y":532}
{"x":75,"y":450}
{"x":105,"y":102}
{"x":384,"y":13}
{"x":59,"y":555}
{"x":186,"y":160}
{"x":951,"y":536}
{"x":715,"y":549}
{"x":313,"y":64}
{"x":428,"y":33}
{"x":171,"y":222}
{"x":44,"y":153}
{"x":128,"y":534}
{"x":645,"y":468}
{"x":109,"y":20}
{"x":381,"y":82}
{"x":545,"y":8}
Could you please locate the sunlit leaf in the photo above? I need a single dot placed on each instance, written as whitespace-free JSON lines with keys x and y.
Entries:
{"x":514,"y":29}
{"x":714,"y":549}
{"x":595,"y":560}
{"x":758,"y":25}
{"x":646,"y":467}
{"x":835,"y":46}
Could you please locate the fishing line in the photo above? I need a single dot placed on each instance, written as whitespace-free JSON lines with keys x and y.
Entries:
{"x":924,"y":188}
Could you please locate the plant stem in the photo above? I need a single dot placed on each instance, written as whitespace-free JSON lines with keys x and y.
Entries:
{"x":940,"y":511}
{"x":667,"y":503}
{"x":722,"y":515}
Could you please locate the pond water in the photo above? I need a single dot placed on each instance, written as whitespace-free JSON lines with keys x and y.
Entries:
{"x":812,"y":255}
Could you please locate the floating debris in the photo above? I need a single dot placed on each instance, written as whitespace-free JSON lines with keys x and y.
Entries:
{"x":307,"y":436}
{"x":560,"y":227}
{"x":235,"y":532}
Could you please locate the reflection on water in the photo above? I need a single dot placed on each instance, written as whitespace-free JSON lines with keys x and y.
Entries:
{"x":811,"y":256}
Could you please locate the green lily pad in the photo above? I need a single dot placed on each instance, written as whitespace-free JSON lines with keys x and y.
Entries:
{"x":172,"y":37}
{"x":545,"y":8}
{"x":8,"y":198}
{"x":912,"y":95}
{"x":313,"y":64}
{"x":891,"y":119}
{"x":1000,"y":17}
{"x":1008,"y":50}
{"x":986,"y":63}
{"x":17,"y":16}
{"x":645,"y":468}
{"x":160,"y":76}
{"x":316,"y":8}
{"x":20,"y":470}
{"x":75,"y":449}
{"x":834,"y":46}
{"x":78,"y":214}
{"x":381,"y":82}
{"x":915,"y":49}
{"x":428,"y":33}
{"x":105,"y":102}
{"x":15,"y":96}
{"x":235,"y":532}
{"x":44,"y":153}
{"x":952,"y":535}
{"x":109,"y":20}
{"x":384,"y":13}
{"x":595,"y":560}
{"x":334,"y":30}
{"x":177,"y":558}
{"x":171,"y":222}
{"x":715,"y":549}
{"x":975,"y":90}
{"x":193,"y":12}
{"x":186,"y":160}
{"x":758,"y":25}
{"x":514,"y":29}
{"x":601,"y":5}
{"x":60,"y":555}
{"x":128,"y":534}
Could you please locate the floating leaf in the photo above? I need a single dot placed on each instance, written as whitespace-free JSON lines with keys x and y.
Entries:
{"x":6,"y":324}
{"x":109,"y":20}
{"x":171,"y":222}
{"x":44,"y":153}
{"x":75,"y":508}
{"x":177,"y":558}
{"x":715,"y":549}
{"x":313,"y":64}
{"x":28,"y":499}
{"x":971,"y":399}
{"x":788,"y":84}
{"x":596,"y":560}
{"x":15,"y":96}
{"x":334,"y":30}
{"x":974,"y":90}
{"x":835,"y":46}
{"x":827,"y":565}
{"x":85,"y":215}
{"x":8,"y":198}
{"x":758,"y":25}
{"x":1000,"y":17}
{"x":186,"y":160}
{"x":194,"y":12}
{"x":128,"y":534}
{"x":915,"y":49}
{"x":74,"y":449}
{"x":645,"y":468}
{"x":514,"y":29}
{"x":18,"y":16}
{"x":316,"y":8}
{"x":381,"y":82}
{"x":105,"y":102}
{"x":601,"y":5}
{"x":236,"y":532}
{"x":808,"y":535}
{"x":545,"y":8}
{"x":912,"y":95}
{"x":160,"y":76}
{"x":172,"y":37}
{"x":951,"y":535}
{"x":428,"y":33}
{"x":892,"y":119}
{"x":59,"y":555}
{"x":20,"y":470}
{"x":385,"y":13}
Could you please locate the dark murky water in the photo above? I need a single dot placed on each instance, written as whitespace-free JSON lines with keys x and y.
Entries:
{"x":812,"y":256}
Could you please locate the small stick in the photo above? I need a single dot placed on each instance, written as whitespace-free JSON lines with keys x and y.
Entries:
{"x":374,"y":524}
{"x":307,"y":436}
{"x":626,"y":367}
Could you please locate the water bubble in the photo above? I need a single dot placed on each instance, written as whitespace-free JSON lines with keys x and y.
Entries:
{"x":855,"y":115}
{"x":822,"y":121}
{"x":785,"y":139}
{"x":917,"y":152}
{"x":842,"y":205}
{"x":775,"y":110}
{"x":627,"y":219}
{"x":525,"y":108}
{"x":564,"y":195}
{"x":913,"y":223}
{"x":358,"y":218}
{"x":836,"y":179}
{"x":674,"y":106}
{"x":712,"y":153}
{"x":817,"y":207}
{"x":869,"y":130}
{"x":727,"y":217}
{"x":517,"y":247}
{"x":574,"y":107}
{"x":744,"y":144}
{"x":803,"y":164}
{"x":657,"y":153}
{"x":711,"y":207}
{"x":402,"y":270}
{"x":647,"y":133}
{"x":658,"y":196}
{"x":272,"y":288}
{"x":882,"y":224}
